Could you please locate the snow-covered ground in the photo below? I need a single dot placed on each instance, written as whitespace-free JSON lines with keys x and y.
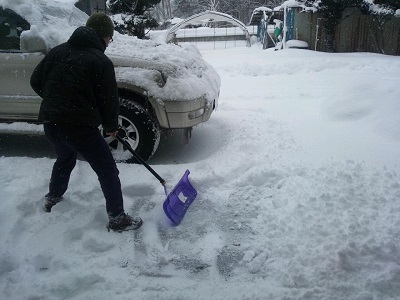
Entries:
{"x":298,"y":185}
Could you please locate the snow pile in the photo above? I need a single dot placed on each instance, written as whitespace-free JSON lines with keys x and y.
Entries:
{"x":297,"y":175}
{"x":188,"y":75}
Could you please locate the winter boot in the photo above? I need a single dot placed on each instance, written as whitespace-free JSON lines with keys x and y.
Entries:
{"x":124,"y":222}
{"x":50,"y":202}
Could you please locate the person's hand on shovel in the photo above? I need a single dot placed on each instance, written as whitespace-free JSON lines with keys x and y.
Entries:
{"x":113,"y":134}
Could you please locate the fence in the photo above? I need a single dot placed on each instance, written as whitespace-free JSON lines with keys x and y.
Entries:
{"x":212,"y":38}
{"x":357,"y":32}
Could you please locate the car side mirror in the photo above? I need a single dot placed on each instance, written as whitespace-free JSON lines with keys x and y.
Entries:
{"x":32,"y":41}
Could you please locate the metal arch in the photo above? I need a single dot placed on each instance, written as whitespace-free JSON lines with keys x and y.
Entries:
{"x":209,"y":16}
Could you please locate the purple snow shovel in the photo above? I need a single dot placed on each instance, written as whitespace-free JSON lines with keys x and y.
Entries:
{"x":179,"y":199}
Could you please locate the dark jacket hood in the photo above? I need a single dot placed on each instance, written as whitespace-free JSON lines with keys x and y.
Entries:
{"x":87,"y":37}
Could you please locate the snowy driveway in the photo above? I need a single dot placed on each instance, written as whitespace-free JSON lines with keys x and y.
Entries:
{"x":297,"y":174}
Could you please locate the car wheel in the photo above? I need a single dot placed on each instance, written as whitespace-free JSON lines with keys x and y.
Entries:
{"x":139,"y":129}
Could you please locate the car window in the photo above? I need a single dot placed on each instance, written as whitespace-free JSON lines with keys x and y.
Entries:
{"x":11,"y":26}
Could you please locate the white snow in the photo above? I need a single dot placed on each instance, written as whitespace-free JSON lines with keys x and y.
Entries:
{"x":189,"y":77}
{"x":291,"y":3}
{"x":262,"y":8}
{"x":380,"y":9}
{"x":297,"y":175}
{"x":297,"y":44}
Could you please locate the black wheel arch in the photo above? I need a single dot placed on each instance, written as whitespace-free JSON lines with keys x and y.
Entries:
{"x":137,"y":97}
{"x":144,"y":139}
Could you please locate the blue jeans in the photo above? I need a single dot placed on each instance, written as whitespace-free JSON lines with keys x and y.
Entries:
{"x":67,"y":142}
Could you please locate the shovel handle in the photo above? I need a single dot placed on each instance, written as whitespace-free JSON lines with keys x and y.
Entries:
{"x":127,"y":146}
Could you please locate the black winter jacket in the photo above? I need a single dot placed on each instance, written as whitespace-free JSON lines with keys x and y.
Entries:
{"x":77,"y":83}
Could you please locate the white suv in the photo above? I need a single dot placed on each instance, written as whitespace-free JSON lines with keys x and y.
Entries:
{"x":161,"y":86}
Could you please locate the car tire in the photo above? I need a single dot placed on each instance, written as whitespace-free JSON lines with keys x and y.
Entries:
{"x":139,"y":128}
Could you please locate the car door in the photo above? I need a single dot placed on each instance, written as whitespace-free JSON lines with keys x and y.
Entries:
{"x":18,"y":102}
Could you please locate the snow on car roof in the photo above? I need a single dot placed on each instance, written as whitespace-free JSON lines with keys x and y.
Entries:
{"x":55,"y":19}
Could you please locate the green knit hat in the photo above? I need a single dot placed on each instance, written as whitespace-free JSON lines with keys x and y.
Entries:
{"x":102,"y":24}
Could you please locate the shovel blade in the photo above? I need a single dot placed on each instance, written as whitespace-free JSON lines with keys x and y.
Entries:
{"x":179,"y":199}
